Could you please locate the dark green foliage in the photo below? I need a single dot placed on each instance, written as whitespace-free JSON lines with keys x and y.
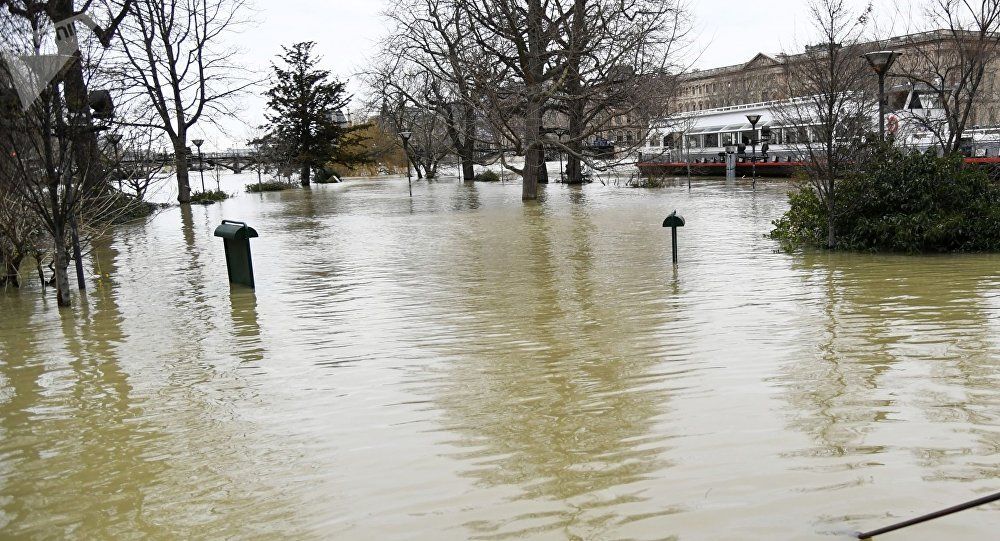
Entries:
{"x":487,"y":176}
{"x":805,"y":223}
{"x":209,"y":197}
{"x":326,"y":175}
{"x":902,"y":202}
{"x":131,"y":209}
{"x":269,"y":186}
{"x":304,"y":106}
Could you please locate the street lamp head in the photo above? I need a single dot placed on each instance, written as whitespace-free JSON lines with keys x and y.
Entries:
{"x":881,"y":61}
{"x":198,"y":142}
{"x":115,"y":138}
{"x":405,"y":135}
{"x":754,"y":119}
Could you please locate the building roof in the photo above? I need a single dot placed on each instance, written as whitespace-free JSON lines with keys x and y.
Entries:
{"x":764,"y":60}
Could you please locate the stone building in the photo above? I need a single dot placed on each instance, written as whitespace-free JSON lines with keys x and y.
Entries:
{"x":763,"y":77}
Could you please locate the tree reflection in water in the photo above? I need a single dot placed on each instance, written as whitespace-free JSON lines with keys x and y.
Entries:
{"x":545,"y":397}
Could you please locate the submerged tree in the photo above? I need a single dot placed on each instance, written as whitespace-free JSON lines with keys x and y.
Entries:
{"x":426,"y":63}
{"x":829,"y":113}
{"x":954,"y":66}
{"x":177,"y":72}
{"x":305,"y":116}
{"x":52,"y":164}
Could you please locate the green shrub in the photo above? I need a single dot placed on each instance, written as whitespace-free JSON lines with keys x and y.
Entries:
{"x":269,"y":186}
{"x":209,"y":197}
{"x":901,"y":202}
{"x":805,"y":223}
{"x":488,"y":176}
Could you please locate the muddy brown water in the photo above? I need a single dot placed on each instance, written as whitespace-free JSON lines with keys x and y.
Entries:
{"x":461,"y":365}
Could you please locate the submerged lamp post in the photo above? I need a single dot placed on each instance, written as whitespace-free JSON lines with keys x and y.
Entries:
{"x":673,"y":222}
{"x":256,"y":150}
{"x":201,"y":162}
{"x":754,"y":119}
{"x":881,"y":62}
{"x":405,"y":136}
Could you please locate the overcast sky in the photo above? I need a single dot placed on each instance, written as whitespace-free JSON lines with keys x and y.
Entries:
{"x":346,"y":32}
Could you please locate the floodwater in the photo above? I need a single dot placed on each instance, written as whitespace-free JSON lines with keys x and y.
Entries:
{"x":461,"y":365}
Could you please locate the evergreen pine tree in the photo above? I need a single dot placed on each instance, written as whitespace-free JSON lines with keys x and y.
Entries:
{"x":305,"y":114}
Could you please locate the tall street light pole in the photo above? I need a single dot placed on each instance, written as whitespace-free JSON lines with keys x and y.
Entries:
{"x":754,"y":119}
{"x":881,"y":62}
{"x":405,"y":136}
{"x":201,"y":162}
{"x":256,"y":151}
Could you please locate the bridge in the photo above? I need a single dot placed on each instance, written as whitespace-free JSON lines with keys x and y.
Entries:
{"x":236,"y":160}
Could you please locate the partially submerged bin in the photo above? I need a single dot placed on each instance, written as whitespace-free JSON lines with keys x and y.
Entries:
{"x":236,"y":238}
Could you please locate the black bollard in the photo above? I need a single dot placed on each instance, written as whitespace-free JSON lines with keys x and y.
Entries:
{"x":673,"y":222}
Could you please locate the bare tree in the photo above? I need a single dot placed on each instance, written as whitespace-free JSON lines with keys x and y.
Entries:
{"x":175,"y":67}
{"x":829,"y":112}
{"x":618,"y":59}
{"x":432,"y":39}
{"x":954,"y":66}
{"x":408,"y":101}
{"x":519,"y":70}
{"x":52,"y":162}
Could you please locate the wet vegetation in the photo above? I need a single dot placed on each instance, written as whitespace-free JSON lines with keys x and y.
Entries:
{"x":900,"y":201}
{"x":269,"y":186}
{"x":209,"y":197}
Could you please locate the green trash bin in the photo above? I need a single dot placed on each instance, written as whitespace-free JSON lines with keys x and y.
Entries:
{"x":236,"y":237}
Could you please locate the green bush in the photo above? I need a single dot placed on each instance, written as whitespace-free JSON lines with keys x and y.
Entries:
{"x":269,"y":186}
{"x":209,"y":197}
{"x":488,"y":176}
{"x":901,"y":202}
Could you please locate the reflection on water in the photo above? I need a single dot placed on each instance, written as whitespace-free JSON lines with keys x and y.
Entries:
{"x":462,"y":365}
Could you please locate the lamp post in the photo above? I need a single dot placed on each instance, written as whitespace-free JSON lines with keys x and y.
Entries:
{"x":881,"y":62}
{"x":256,"y":151}
{"x":405,"y":136}
{"x":754,"y":119}
{"x":560,"y":132}
{"x":116,"y":138}
{"x":201,"y":162}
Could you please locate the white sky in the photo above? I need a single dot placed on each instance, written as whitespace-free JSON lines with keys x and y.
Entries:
{"x":347,"y":31}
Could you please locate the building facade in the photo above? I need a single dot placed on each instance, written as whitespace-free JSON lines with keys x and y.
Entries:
{"x":764,"y":78}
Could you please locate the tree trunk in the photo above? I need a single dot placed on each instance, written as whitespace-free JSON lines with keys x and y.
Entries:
{"x":543,"y":168}
{"x":468,"y":150}
{"x":304,"y":174}
{"x":574,"y":165}
{"x":532,"y":156}
{"x":468,"y":171}
{"x":575,"y":108}
{"x":10,"y":276}
{"x":181,"y":165}
{"x":61,"y":263}
{"x":831,"y":205}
